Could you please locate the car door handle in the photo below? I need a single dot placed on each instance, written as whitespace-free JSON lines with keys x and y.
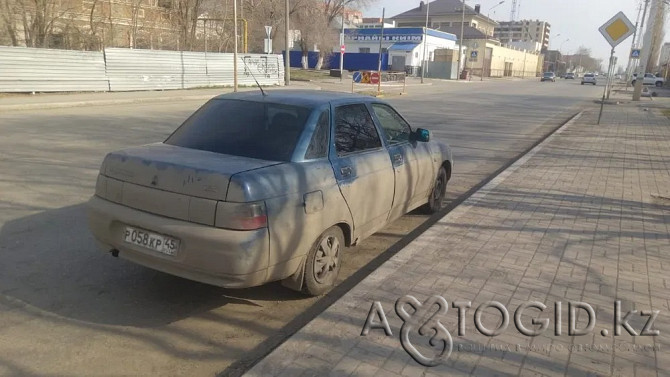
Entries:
{"x":397,"y":158}
{"x":346,"y":171}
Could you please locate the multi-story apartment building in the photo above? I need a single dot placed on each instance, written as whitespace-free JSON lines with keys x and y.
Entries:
{"x":528,"y":34}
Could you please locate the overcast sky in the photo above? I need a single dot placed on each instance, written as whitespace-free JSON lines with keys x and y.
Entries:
{"x":576,"y":20}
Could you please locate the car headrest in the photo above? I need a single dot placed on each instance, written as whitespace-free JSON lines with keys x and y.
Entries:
{"x":285,"y":122}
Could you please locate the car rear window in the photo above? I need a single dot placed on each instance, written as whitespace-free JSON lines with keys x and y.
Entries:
{"x":260,"y":130}
{"x":588,"y":75}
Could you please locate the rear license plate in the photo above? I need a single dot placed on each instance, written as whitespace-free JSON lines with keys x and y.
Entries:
{"x":152,"y":241}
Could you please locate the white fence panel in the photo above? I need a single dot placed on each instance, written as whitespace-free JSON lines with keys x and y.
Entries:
{"x":118,"y":69}
{"x":24,"y":69}
{"x":129,"y":69}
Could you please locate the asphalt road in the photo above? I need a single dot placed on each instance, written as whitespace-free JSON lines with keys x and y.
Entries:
{"x":68,"y":308}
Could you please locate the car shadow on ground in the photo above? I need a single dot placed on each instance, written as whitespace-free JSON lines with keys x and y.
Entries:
{"x":52,"y":262}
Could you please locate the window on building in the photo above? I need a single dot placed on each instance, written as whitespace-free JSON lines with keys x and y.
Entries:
{"x":364,"y":50}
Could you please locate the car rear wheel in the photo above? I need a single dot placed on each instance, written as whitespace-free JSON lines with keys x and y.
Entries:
{"x":633,"y":82}
{"x":659,"y":84}
{"x":323,"y":262}
{"x":439,"y":191}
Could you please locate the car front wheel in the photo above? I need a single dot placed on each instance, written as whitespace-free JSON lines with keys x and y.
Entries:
{"x":323,"y":262}
{"x":439,"y":191}
{"x":659,"y":84}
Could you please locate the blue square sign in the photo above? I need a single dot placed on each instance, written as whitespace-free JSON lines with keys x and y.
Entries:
{"x":635,"y":53}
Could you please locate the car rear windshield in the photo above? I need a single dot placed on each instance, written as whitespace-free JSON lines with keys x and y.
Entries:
{"x":588,"y":75}
{"x":548,"y":74}
{"x":261,"y":130}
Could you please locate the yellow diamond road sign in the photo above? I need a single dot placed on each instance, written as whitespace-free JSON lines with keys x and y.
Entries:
{"x":617,"y":29}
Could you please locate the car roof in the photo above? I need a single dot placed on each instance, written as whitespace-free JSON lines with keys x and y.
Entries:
{"x":305,"y":98}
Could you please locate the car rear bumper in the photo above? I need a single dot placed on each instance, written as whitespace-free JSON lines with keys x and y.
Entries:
{"x":221,"y":257}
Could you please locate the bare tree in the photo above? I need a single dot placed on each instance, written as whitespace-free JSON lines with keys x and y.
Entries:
{"x":8,"y":12}
{"x":39,"y":18}
{"x":186,"y":14}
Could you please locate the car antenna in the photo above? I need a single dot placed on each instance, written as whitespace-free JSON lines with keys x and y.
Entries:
{"x":252,"y":75}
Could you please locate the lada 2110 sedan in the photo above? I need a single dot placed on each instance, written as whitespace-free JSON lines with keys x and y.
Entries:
{"x":254,"y":188}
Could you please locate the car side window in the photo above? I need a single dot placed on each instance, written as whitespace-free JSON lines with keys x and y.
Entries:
{"x":354,"y":130}
{"x":395,"y":128}
{"x":318,"y":146}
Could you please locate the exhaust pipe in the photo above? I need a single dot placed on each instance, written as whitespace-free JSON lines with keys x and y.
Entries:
{"x":115,"y":253}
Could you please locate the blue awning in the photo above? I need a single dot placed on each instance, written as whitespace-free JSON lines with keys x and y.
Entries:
{"x":403,"y":46}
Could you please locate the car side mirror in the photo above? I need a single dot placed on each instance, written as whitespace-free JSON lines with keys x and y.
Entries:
{"x":422,"y":135}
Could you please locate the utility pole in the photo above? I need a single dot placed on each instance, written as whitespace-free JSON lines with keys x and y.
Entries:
{"x":235,"y":51}
{"x":287,"y":58}
{"x":381,"y":39}
{"x":425,"y":44}
{"x":342,"y":52}
{"x":632,"y":46}
{"x":646,"y":49}
{"x":460,"y":41}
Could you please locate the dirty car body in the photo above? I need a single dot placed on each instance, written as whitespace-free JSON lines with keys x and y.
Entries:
{"x":242,"y":191}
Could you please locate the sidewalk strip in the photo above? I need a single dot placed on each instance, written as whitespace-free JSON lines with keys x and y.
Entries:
{"x":392,"y":258}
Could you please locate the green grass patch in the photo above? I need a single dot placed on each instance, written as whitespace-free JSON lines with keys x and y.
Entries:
{"x":298,"y":74}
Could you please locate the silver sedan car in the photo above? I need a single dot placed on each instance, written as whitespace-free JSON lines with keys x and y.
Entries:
{"x":256,"y":188}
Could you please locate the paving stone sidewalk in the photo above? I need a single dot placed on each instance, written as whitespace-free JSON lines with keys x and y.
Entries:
{"x":584,"y":218}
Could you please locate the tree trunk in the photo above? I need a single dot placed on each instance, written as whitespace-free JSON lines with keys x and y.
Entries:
{"x":305,"y":61}
{"x":319,"y":62}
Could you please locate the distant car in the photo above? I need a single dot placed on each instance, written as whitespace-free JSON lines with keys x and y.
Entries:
{"x":570,"y":76}
{"x":256,"y":188}
{"x":548,"y":76}
{"x":649,"y":79}
{"x":589,"y":78}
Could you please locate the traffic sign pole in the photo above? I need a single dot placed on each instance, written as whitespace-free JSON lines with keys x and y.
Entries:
{"x":609,"y":71}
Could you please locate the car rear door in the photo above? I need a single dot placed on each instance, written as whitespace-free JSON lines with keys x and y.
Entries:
{"x":362,"y":167}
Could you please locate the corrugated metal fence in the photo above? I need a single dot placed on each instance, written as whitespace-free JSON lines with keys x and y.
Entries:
{"x":116,"y":69}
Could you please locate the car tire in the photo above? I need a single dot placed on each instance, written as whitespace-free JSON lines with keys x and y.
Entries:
{"x":439,"y":191}
{"x":659,"y":84}
{"x":323,"y":262}
{"x":633,"y":82}
{"x":582,"y":83}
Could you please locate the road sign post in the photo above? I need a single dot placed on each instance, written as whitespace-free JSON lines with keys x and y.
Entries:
{"x":615,"y":31}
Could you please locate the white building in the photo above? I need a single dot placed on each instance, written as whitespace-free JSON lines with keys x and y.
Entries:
{"x":405,"y":46}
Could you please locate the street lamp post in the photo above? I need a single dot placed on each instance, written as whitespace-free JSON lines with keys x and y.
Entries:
{"x":488,"y":14}
{"x":287,"y":58}
{"x":560,"y":48}
{"x":460,"y":39}
{"x":425,"y":44}
{"x":490,"y":9}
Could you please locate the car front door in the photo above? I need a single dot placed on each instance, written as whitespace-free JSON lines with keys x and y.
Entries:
{"x":362,"y":168}
{"x":412,"y":161}
{"x":396,"y":133}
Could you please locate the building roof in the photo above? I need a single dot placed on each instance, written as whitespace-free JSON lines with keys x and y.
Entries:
{"x":469,"y":32}
{"x":439,"y":8}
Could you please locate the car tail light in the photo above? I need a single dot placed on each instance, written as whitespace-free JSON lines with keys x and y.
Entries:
{"x":241,"y":216}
